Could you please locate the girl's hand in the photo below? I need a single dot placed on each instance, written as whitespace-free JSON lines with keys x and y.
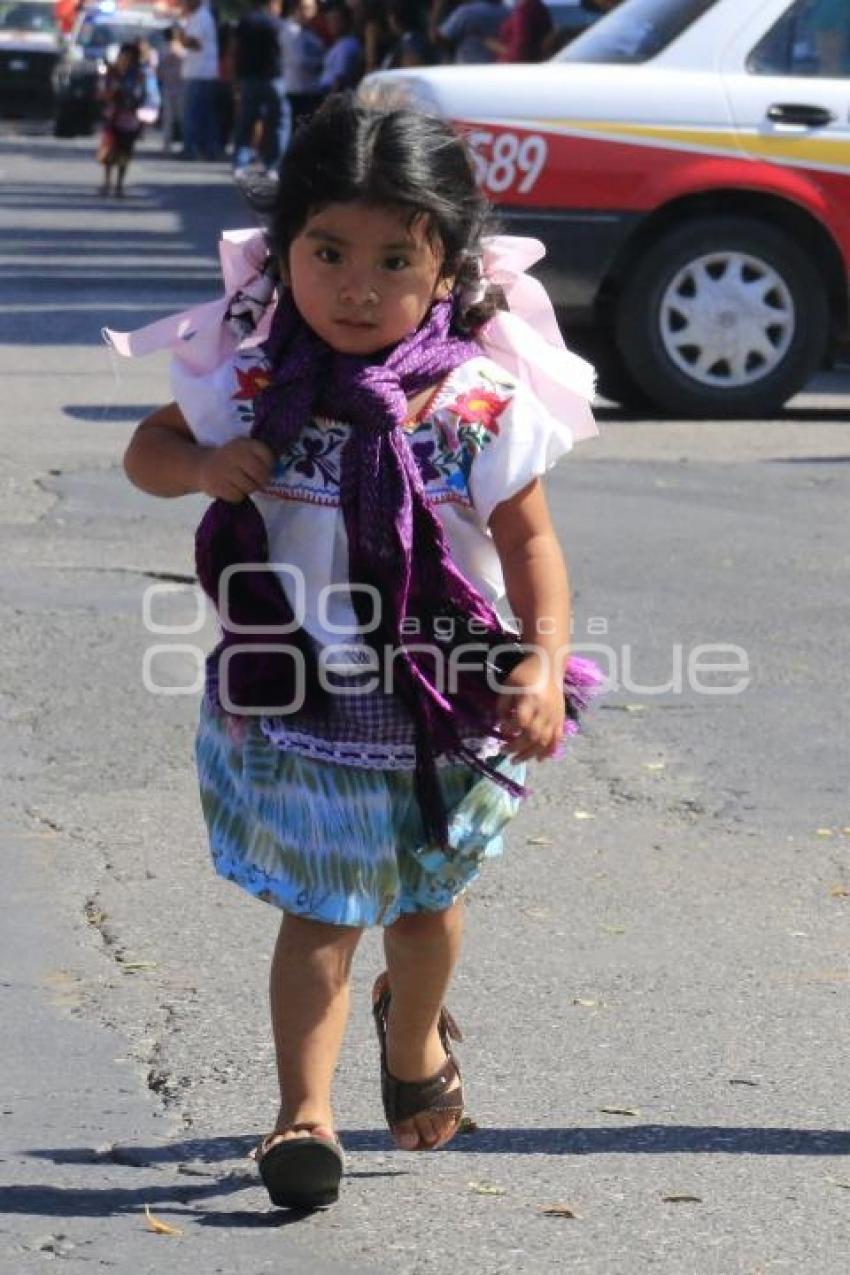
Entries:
{"x":235,"y":470}
{"x":532,"y":713}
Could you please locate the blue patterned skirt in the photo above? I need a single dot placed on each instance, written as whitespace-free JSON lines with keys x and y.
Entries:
{"x":339,"y":843}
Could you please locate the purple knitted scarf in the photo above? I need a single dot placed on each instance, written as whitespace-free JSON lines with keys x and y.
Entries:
{"x":396,"y":542}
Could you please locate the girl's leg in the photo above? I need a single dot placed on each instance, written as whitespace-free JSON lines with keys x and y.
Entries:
{"x":106,"y":185}
{"x":309,"y":994}
{"x":119,"y":180}
{"x":422,"y":950}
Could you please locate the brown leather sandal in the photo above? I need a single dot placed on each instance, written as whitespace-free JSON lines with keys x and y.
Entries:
{"x":301,"y":1173}
{"x":404,"y":1099}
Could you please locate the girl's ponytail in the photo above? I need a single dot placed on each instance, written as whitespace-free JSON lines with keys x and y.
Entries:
{"x":477,"y":300}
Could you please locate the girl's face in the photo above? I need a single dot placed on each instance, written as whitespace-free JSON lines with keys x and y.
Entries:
{"x":362,"y":277}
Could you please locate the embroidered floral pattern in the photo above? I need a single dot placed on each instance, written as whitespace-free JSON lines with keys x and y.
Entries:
{"x":252,"y":382}
{"x":251,"y":379}
{"x":309,"y":469}
{"x":454,"y":430}
{"x":479,"y":406}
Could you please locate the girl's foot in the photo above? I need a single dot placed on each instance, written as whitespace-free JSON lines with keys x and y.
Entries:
{"x":301,"y":1165}
{"x":423,"y":1098}
{"x":301,"y":1125}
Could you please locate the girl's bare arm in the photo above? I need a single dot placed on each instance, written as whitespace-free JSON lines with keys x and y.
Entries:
{"x":164,"y":459}
{"x":538,"y":591}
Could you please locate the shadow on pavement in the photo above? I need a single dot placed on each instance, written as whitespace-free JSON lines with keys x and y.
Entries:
{"x":97,"y":261}
{"x":38,"y":1199}
{"x":610,"y":412}
{"x":642,"y":1139}
{"x":108,"y":412}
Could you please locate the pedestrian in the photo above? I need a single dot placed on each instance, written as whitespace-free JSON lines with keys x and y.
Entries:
{"x":372,"y":28}
{"x":151,"y":107}
{"x":258,"y":69}
{"x":171,"y":88}
{"x":409,"y":43}
{"x":469,"y":29}
{"x":225,"y":91}
{"x":303,"y":56}
{"x":122,"y":95}
{"x":523,"y":34}
{"x":390,"y":470}
{"x":344,"y":61}
{"x":200,"y":82}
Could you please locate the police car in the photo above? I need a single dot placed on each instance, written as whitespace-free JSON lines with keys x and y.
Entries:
{"x":687,"y":163}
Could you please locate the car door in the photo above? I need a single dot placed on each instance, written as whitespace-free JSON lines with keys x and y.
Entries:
{"x":787,"y":77}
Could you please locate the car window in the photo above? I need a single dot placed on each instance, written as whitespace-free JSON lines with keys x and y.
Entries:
{"x":635,"y":33}
{"x":100,"y":35}
{"x":812,"y":38}
{"x":26,"y":17}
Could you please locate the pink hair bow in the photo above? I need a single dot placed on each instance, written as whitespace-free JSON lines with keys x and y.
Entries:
{"x":525,"y":341}
{"x":206,"y":335}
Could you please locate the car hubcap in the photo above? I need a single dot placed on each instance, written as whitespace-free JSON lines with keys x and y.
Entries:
{"x":727,"y":319}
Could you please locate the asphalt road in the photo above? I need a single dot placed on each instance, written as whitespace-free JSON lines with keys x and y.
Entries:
{"x":655,"y":987}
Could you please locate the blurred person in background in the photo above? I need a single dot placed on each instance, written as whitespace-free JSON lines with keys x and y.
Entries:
{"x":226,"y":86}
{"x":201,"y":134}
{"x":372,"y":28}
{"x":314,"y":18}
{"x":439,"y":11}
{"x":149,"y":65}
{"x":343,"y":65}
{"x":171,"y":88}
{"x":523,"y":34}
{"x":257,"y":68}
{"x":303,"y":56}
{"x":122,"y":94}
{"x":599,"y":6}
{"x":467,"y":31}
{"x":410,"y":44}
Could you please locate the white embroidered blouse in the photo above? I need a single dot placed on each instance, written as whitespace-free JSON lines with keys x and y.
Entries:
{"x":481,"y":438}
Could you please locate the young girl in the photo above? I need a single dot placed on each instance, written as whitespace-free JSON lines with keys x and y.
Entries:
{"x":376,"y":480}
{"x":123,"y":94}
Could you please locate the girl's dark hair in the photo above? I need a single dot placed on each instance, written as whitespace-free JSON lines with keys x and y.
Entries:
{"x":348,"y":152}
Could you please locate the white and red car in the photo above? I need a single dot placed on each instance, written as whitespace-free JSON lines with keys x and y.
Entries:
{"x":687,"y":163}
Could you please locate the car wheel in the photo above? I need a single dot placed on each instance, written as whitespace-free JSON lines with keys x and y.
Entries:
{"x":723,"y":317}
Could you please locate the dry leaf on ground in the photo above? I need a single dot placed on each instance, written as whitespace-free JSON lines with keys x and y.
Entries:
{"x":468,"y":1125}
{"x":559,"y":1210}
{"x":158,"y":1226}
{"x":486,"y":1188}
{"x":845,"y":1186}
{"x":587,"y":1003}
{"x":619,"y":1111}
{"x":840,"y":892}
{"x":539,"y":841}
{"x":682,"y":1198}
